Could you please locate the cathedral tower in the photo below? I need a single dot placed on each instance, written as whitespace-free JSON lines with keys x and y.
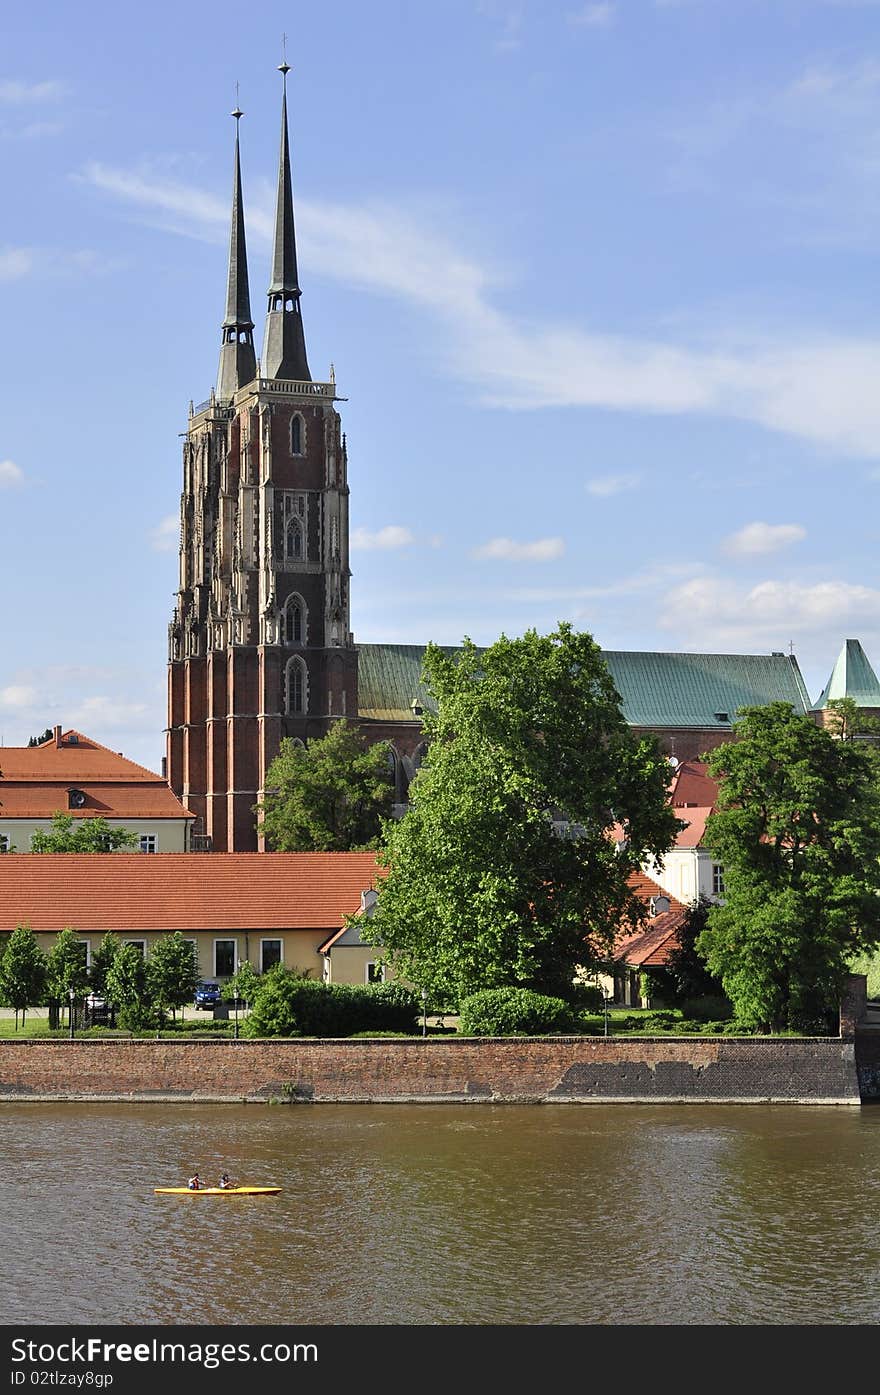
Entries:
{"x":260,"y":645}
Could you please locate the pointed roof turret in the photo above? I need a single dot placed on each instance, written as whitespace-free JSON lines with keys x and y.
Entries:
{"x":284,"y":346}
{"x":852,"y":677}
{"x":238,"y":364}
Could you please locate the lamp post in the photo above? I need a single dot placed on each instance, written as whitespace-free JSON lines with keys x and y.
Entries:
{"x":235,"y":999}
{"x":424,"y":1012}
{"x":71,"y":993}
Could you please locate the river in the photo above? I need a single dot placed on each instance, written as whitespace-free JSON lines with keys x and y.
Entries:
{"x":454,"y":1214}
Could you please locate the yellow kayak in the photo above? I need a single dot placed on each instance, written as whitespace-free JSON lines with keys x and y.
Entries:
{"x":218,"y":1191}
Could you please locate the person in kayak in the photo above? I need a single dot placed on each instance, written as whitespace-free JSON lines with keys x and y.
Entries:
{"x":224,"y":1182}
{"x":194,"y":1183}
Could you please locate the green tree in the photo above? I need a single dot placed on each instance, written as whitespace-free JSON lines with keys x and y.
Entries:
{"x":22,"y":972}
{"x":126,"y":984}
{"x":848,"y":722}
{"x":102,"y":959}
{"x":70,"y":835}
{"x":172,"y":972}
{"x":67,"y":969}
{"x":797,"y":829}
{"x":273,"y":1007}
{"x":329,"y":796}
{"x":482,"y":891}
{"x":243,"y":985}
{"x":685,"y":971}
{"x":38,"y":740}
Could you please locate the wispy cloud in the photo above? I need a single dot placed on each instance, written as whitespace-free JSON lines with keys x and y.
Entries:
{"x":15,"y":262}
{"x":821,"y":388}
{"x":166,"y":534}
{"x":506,"y":550}
{"x":603,"y":486}
{"x":383,"y":540}
{"x":717,"y":611}
{"x":17,"y":695}
{"x":757,"y":539}
{"x":10,"y":474}
{"x":19,"y":93}
{"x":594,"y":16}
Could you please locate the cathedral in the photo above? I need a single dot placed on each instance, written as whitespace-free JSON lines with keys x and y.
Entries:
{"x":260,"y":643}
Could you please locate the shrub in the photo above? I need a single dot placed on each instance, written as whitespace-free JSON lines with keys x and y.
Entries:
{"x":708,"y":1007}
{"x":140,"y":1017}
{"x":288,"y":1005}
{"x":500,"y":1012}
{"x":587,"y":997}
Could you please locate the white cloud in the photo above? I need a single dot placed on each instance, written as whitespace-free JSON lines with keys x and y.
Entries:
{"x":383,"y":540}
{"x":821,"y":389}
{"x":15,"y":262}
{"x":17,"y":695}
{"x":595,"y":16}
{"x":17,"y":93}
{"x":756,"y":539}
{"x":506,"y":550}
{"x":114,"y":713}
{"x":715,"y":611}
{"x":10,"y":474}
{"x":166,"y":535}
{"x":603,"y":486}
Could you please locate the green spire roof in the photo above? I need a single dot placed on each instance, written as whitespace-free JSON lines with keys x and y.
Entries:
{"x":851,"y":677}
{"x":657,"y":690}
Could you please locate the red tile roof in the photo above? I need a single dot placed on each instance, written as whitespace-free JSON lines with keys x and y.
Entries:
{"x":692,"y":835}
{"x":651,"y":947}
{"x":693,"y":786}
{"x":34,"y":781}
{"x":183,"y":891}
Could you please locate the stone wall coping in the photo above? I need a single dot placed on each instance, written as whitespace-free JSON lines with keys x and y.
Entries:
{"x":397,"y":1043}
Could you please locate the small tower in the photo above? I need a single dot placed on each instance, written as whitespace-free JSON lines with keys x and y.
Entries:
{"x":238,"y":364}
{"x":852,"y":677}
{"x":260,"y":646}
{"x":284,"y":345}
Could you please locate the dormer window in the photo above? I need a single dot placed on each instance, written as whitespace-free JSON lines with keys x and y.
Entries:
{"x":75,"y":799}
{"x":722,"y":716}
{"x":658,"y":905}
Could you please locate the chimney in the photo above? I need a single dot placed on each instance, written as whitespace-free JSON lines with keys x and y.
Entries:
{"x":58,"y":736}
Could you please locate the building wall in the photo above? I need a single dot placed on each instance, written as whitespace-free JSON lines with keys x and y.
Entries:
{"x":299,"y":948}
{"x":171,"y":834}
{"x":521,"y":1070}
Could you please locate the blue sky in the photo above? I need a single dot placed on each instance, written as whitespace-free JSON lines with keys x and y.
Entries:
{"x":599,"y":281}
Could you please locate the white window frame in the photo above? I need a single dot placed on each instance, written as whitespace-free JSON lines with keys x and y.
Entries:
{"x":374,"y":964}
{"x":271,"y":940}
{"x":148,"y":838}
{"x":88,"y":944}
{"x":717,"y":879}
{"x":225,"y":940}
{"x":142,"y":943}
{"x":5,"y":842}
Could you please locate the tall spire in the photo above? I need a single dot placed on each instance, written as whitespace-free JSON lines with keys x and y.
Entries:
{"x":284,"y":345}
{"x":238,"y":364}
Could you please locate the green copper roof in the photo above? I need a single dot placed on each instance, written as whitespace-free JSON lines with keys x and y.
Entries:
{"x":657,"y":690}
{"x":851,"y":677}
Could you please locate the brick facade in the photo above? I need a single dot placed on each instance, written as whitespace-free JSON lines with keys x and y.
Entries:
{"x":517,"y":1070}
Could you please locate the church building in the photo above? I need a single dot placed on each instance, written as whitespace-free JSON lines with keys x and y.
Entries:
{"x":260,"y":644}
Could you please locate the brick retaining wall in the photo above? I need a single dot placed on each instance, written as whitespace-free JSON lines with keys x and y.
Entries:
{"x":514,"y":1069}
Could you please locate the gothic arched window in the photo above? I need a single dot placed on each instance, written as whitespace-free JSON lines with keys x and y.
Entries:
{"x":294,"y":541}
{"x":294,"y":631}
{"x":296,"y":688}
{"x":297,"y":435}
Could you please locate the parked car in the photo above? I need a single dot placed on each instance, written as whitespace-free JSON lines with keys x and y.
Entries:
{"x":207,"y":995}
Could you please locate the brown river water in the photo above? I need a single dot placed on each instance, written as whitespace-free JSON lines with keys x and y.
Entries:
{"x":577,"y":1214}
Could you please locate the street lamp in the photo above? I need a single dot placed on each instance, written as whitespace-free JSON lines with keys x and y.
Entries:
{"x":72,"y":995}
{"x":424,"y":1012}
